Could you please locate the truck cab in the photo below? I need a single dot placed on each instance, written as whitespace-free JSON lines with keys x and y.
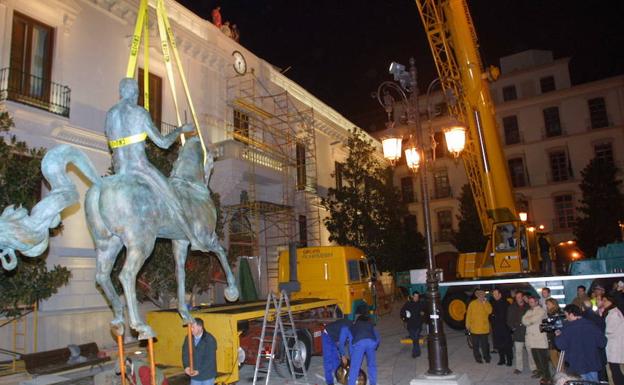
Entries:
{"x":330,"y":272}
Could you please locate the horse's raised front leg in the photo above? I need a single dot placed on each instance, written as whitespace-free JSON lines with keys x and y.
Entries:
{"x":231,"y":292}
{"x":106,"y":254}
{"x":136,"y":254}
{"x":180,"y":251}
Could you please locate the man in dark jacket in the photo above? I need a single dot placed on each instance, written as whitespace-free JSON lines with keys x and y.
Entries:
{"x":411,"y":314}
{"x":204,"y":355}
{"x":581,"y":340}
{"x":515,"y":311}
{"x":500,"y":331}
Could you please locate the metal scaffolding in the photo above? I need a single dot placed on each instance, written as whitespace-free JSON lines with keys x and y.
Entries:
{"x":279,"y":138}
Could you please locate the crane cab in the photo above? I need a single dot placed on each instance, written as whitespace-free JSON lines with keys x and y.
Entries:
{"x":513,"y":248}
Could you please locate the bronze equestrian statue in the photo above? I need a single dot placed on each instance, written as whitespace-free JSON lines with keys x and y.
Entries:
{"x":131,"y":208}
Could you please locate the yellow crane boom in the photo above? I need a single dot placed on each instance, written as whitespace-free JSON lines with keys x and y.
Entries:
{"x":453,"y":43}
{"x":512,"y":244}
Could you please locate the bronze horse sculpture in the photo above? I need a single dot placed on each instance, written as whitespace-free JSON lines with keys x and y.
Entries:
{"x":129,"y":209}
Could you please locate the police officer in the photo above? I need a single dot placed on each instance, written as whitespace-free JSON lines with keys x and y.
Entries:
{"x":331,"y":355}
{"x":363,"y":341}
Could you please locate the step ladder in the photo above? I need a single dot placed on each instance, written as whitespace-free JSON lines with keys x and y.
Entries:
{"x":278,"y":317}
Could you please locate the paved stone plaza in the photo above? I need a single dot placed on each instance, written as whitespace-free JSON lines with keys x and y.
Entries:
{"x":395,"y":364}
{"x":397,"y":367}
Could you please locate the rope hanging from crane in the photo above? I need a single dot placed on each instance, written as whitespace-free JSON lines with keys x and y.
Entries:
{"x":169,"y":49}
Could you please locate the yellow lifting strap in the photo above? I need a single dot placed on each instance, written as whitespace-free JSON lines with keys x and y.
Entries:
{"x":127,"y":140}
{"x":168,"y":46}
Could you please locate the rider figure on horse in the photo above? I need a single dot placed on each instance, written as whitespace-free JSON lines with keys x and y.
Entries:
{"x":127,"y":127}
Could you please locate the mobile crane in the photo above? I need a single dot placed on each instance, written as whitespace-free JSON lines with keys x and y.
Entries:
{"x":511,"y":256}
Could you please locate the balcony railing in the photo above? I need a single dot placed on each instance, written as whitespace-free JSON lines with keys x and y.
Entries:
{"x":34,"y":91}
{"x":231,"y":149}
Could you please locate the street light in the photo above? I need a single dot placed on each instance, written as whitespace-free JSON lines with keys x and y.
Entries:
{"x":392,"y":143}
{"x":392,"y":139}
{"x":412,"y":155}
{"x":455,"y":137}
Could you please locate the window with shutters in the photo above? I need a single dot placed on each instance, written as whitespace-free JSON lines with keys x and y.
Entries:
{"x":598,"y":113}
{"x":441,"y":150}
{"x":552,"y":124}
{"x":509,"y":93}
{"x":410,"y":224}
{"x":445,"y":226}
{"x":547,"y":84}
{"x":564,"y":211}
{"x":512,"y":131}
{"x":241,"y":124}
{"x":603,"y":152}
{"x":154,"y":105}
{"x":303,"y":231}
{"x":407,"y":189}
{"x":517,"y":172}
{"x":559,"y":166}
{"x":441,"y":184}
{"x":301,"y":166}
{"x":338,"y":174}
{"x":31,"y":56}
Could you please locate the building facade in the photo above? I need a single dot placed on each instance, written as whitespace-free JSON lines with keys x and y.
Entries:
{"x":549,"y":129}
{"x":275,"y":144}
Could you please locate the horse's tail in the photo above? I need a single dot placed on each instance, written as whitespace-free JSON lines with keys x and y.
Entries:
{"x":54,"y":165}
{"x":28,"y":234}
{"x":64,"y":192}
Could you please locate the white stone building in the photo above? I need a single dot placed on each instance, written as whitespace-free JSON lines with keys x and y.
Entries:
{"x":550,"y":130}
{"x":61,"y":63}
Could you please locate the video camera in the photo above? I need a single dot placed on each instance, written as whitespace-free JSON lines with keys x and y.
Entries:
{"x":552,"y":323}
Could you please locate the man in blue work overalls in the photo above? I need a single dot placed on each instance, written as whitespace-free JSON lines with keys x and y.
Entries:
{"x":331,"y":355}
{"x":363,"y":341}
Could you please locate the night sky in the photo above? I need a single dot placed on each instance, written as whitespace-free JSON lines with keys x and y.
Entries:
{"x":340,"y":50}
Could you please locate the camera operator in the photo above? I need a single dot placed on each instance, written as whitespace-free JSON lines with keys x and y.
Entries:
{"x":581,"y":340}
{"x":555,"y":315}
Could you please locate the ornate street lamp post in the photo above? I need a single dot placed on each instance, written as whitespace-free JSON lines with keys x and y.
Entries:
{"x":392,"y":140}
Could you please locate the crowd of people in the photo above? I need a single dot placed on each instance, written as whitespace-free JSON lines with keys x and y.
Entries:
{"x":584,"y":339}
{"x":229,"y":29}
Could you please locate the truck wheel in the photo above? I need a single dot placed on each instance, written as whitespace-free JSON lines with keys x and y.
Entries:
{"x":454,"y":308}
{"x":300,"y":354}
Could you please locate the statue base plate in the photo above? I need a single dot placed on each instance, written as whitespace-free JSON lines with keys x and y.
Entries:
{"x":452,"y":379}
